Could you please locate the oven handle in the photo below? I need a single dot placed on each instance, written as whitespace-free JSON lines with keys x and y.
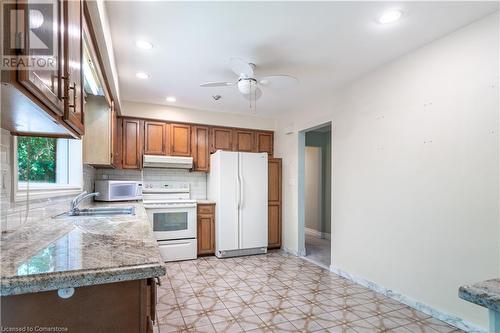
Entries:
{"x":169,"y":207}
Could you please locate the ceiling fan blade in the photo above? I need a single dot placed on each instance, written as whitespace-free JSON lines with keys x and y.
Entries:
{"x":253,"y":97}
{"x":216,"y":84}
{"x":278,"y":81}
{"x":241,"y":67}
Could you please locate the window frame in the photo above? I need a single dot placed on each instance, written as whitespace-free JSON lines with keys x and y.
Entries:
{"x":47,"y":190}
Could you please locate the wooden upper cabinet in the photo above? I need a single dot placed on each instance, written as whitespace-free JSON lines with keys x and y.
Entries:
{"x":244,"y":140}
{"x":221,"y":138}
{"x":199,"y":142}
{"x":265,"y":142}
{"x":180,"y":139}
{"x":72,"y":66}
{"x":132,"y":143}
{"x":274,"y":203}
{"x":44,"y":83}
{"x":155,"y":138}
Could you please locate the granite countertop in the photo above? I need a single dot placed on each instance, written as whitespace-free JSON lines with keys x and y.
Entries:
{"x":485,"y":293}
{"x":52,"y":253}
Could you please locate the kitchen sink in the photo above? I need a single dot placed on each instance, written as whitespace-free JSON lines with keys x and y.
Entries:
{"x":102,"y":211}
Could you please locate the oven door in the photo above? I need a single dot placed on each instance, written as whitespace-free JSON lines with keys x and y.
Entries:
{"x":173,"y":223}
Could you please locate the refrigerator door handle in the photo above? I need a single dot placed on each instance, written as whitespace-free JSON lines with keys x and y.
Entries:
{"x":238,"y":193}
{"x":242,"y":194}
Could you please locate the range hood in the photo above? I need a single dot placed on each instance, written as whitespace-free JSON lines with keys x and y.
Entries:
{"x":168,"y":162}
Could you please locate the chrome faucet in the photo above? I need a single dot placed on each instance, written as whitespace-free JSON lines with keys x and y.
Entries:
{"x":73,"y":209}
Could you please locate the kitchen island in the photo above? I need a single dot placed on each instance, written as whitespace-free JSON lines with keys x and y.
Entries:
{"x":81,"y":274}
{"x":486,"y":294}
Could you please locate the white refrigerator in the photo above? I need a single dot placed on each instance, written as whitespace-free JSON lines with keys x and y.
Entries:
{"x":237,"y":182}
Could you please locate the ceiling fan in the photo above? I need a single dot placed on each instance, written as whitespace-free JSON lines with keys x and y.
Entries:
{"x":250,"y":86}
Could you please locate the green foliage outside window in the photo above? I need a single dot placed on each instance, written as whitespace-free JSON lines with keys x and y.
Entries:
{"x":36,"y":159}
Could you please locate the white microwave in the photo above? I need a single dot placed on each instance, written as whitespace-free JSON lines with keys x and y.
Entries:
{"x":118,"y":190}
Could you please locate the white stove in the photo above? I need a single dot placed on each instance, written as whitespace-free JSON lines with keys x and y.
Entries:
{"x":172,"y":214}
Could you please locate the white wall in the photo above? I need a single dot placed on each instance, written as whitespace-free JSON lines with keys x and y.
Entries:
{"x":415,"y":170}
{"x":313,"y":188}
{"x":164,"y":112}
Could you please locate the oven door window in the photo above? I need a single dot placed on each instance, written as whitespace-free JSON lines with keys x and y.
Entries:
{"x":177,"y":221}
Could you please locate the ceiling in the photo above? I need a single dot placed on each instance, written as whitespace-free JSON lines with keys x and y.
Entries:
{"x":323,"y":44}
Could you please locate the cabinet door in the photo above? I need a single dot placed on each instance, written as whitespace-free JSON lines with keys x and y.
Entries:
{"x":244,"y":140}
{"x":274,"y":202}
{"x":265,"y":142}
{"x":200,"y":148}
{"x":155,"y":138}
{"x":180,"y":140}
{"x":116,"y":137}
{"x":45,"y":82}
{"x":131,"y":148}
{"x":274,"y":226}
{"x":73,"y":73}
{"x":205,"y":235}
{"x":221,"y":138}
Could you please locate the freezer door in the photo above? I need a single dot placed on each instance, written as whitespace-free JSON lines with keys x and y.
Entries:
{"x":226,"y":195}
{"x":253,"y":200}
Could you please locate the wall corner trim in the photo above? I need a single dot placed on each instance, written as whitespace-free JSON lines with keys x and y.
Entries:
{"x":446,"y":317}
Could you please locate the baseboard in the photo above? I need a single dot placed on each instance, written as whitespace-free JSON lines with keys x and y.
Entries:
{"x":297,"y":253}
{"x":446,"y":317}
{"x":317,"y":234}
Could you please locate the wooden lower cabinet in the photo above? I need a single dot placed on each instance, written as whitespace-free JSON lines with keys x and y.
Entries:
{"x":274,"y":203}
{"x":128,"y":306}
{"x":206,"y":229}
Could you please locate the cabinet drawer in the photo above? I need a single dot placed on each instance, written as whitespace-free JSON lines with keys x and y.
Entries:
{"x":205,"y":209}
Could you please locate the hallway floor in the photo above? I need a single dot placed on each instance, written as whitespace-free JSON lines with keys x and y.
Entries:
{"x":276,"y":292}
{"x":318,"y":250}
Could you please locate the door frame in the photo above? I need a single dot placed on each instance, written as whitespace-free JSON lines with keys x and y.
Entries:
{"x":301,"y":187}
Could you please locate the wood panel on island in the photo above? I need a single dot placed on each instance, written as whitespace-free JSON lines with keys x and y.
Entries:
{"x":128,"y":306}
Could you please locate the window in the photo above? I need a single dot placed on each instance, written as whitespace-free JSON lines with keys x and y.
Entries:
{"x":47,"y":167}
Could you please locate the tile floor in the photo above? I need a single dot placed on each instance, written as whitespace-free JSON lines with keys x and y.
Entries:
{"x":276,"y":292}
{"x":318,"y":250}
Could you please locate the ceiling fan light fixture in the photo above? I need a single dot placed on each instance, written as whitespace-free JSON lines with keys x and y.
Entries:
{"x":171,"y":99}
{"x":247,"y":86}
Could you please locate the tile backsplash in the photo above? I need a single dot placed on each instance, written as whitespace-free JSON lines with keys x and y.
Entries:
{"x":196,"y":180}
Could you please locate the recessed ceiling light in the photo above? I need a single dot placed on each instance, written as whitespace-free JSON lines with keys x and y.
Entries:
{"x":171,"y":99}
{"x":142,"y":75}
{"x":390,"y":16}
{"x":142,"y":44}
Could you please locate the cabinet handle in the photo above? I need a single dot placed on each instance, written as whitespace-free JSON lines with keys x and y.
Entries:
{"x":73,"y":87}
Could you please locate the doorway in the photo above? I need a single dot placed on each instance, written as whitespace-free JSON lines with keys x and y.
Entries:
{"x":316,"y":192}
